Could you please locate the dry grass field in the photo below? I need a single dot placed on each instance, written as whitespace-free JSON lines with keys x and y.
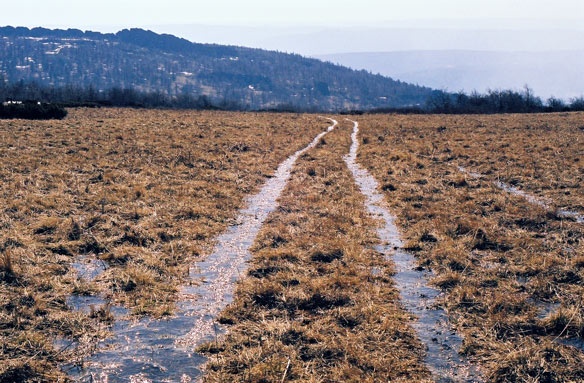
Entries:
{"x":540,"y":154}
{"x":318,"y":303}
{"x":512,"y":272}
{"x":145,"y":192}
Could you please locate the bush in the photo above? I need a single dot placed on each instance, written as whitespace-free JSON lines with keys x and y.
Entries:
{"x":32,"y":111}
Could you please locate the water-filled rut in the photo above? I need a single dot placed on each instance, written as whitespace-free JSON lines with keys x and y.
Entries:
{"x":224,"y":266}
{"x":416,"y":295}
{"x":528,"y":197}
{"x":152,"y":350}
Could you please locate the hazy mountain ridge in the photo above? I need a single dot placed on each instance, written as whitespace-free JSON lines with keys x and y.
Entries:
{"x":550,"y":73}
{"x":146,"y":61}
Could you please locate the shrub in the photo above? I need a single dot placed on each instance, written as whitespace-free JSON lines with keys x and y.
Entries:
{"x":32,"y":111}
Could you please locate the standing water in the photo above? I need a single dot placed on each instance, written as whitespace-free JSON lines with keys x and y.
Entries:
{"x":431,"y":326}
{"x":224,"y":266}
{"x":152,"y":350}
{"x":530,"y":198}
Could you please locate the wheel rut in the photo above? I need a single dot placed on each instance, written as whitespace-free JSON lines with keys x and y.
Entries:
{"x":162,"y":350}
{"x":152,"y":350}
{"x":442,"y":343}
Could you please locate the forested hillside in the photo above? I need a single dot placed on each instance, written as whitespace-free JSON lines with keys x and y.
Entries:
{"x":148,"y":62}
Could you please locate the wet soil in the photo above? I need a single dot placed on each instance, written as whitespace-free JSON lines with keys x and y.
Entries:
{"x":528,"y":197}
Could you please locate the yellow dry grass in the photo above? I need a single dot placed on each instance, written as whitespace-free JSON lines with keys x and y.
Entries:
{"x":511,"y":271}
{"x":318,"y":303}
{"x":146,"y":192}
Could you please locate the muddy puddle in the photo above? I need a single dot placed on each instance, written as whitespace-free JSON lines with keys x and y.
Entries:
{"x":528,"y":197}
{"x":152,"y":350}
{"x":88,"y":269}
{"x":442,"y":343}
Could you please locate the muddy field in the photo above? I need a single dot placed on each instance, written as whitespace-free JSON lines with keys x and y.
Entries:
{"x":108,"y":216}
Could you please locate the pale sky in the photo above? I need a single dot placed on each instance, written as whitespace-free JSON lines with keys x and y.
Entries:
{"x":313,"y":27}
{"x":107,"y":14}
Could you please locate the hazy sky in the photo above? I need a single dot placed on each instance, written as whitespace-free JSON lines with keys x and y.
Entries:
{"x":313,"y":27}
{"x":108,"y":14}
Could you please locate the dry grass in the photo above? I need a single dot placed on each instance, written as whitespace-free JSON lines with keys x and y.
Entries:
{"x":147,"y":192}
{"x":144,"y":191}
{"x":317,"y":304}
{"x":501,"y":261}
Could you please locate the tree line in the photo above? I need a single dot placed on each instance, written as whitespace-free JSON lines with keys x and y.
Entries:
{"x":491,"y":102}
{"x":499,"y":101}
{"x":31,"y":110}
{"x":76,"y":96}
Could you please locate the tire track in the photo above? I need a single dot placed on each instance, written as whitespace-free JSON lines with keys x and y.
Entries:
{"x":442,"y":343}
{"x":579,"y":218}
{"x":318,"y":302}
{"x":223,"y":267}
{"x":152,"y":350}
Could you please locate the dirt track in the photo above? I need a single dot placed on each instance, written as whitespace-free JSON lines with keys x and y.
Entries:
{"x":330,"y":292}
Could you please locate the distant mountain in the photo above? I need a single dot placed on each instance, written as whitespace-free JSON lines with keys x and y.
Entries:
{"x":504,"y":35}
{"x":551,"y":73}
{"x":146,"y":61}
